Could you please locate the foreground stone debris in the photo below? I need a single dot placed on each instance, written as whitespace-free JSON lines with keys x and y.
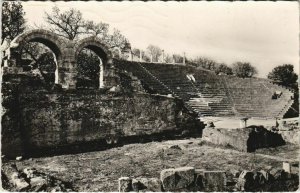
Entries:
{"x":31,"y":180}
{"x":189,"y":179}
{"x":125,"y":184}
{"x":215,"y":181}
{"x":146,"y":185}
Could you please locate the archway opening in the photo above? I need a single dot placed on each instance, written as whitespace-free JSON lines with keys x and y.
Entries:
{"x":89,"y":69}
{"x":40,"y":59}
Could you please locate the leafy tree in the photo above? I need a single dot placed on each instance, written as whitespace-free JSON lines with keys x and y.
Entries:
{"x":13,"y":22}
{"x":244,"y":69}
{"x":136,"y":52}
{"x":88,"y":69}
{"x":223,"y":68}
{"x":284,"y":75}
{"x":168,"y":58}
{"x":177,"y":58}
{"x":155,"y":52}
{"x":205,"y":63}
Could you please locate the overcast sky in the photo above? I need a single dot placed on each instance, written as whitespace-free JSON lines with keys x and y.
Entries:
{"x":263,"y":33}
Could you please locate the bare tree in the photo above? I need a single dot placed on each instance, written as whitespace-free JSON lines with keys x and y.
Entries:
{"x":155,"y":52}
{"x":68,"y":24}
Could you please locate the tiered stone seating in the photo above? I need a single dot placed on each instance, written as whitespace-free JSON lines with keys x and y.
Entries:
{"x":206,"y":95}
{"x":211,"y":94}
{"x":253,"y":97}
{"x":153,"y":85}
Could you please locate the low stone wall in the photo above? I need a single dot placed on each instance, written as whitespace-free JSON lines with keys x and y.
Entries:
{"x":185,"y":179}
{"x":243,"y":139}
{"x":189,"y":179}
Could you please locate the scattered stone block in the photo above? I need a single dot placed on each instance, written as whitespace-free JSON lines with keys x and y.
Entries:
{"x":29,"y":172}
{"x":167,"y":178}
{"x":245,"y":181}
{"x":38,"y":183}
{"x":214,"y":181}
{"x":266,"y":175}
{"x":286,"y":166}
{"x":125,"y":184}
{"x":184,"y":177}
{"x":18,"y":182}
{"x":19,"y":158}
{"x":235,"y":173}
{"x":259,"y":179}
{"x":146,"y":185}
{"x":199,"y":180}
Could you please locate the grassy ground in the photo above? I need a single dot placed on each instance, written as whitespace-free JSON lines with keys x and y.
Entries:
{"x":99,"y":171}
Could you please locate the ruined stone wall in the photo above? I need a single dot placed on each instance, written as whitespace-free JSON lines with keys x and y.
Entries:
{"x":37,"y":118}
{"x":69,"y":117}
{"x":244,"y":139}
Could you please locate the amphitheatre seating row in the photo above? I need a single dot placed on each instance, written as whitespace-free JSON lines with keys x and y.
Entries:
{"x":211,"y":94}
{"x":253,"y":97}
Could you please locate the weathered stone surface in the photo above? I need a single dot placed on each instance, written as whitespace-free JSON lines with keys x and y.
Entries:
{"x":243,"y":139}
{"x":29,"y":172}
{"x":214,"y":181}
{"x":199,"y":180}
{"x":286,"y":166}
{"x":184,"y":177}
{"x":125,"y":184}
{"x":38,"y":183}
{"x":167,"y":178}
{"x":259,"y":179}
{"x":177,"y":179}
{"x":14,"y":177}
{"x":266,"y":175}
{"x":19,"y":182}
{"x":245,"y":181}
{"x":146,"y":185}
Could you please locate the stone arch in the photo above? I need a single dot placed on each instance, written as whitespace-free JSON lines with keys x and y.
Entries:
{"x":95,"y":44}
{"x":102,"y":51}
{"x":45,"y":37}
{"x":48,"y":38}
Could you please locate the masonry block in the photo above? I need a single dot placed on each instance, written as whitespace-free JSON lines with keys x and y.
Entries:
{"x":147,"y":185}
{"x":125,"y":184}
{"x":167,"y":178}
{"x":214,"y":181}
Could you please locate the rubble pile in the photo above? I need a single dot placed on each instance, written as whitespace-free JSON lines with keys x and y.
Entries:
{"x":31,"y":180}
